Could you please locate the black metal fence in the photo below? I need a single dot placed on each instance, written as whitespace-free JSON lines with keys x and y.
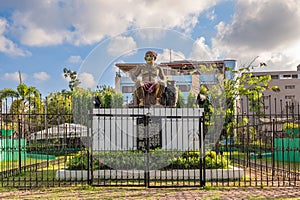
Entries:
{"x":150,"y":147}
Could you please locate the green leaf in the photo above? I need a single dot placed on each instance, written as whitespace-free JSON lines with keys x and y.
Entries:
{"x":8,"y":92}
{"x":275,"y":89}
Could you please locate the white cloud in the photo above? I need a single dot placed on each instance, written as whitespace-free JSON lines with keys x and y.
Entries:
{"x":42,"y":23}
{"x":201,"y":51}
{"x":120,"y":45}
{"x":14,"y":77}
{"x":150,"y":33}
{"x":74,"y":59}
{"x":7,"y":46}
{"x":168,"y":55}
{"x":87,"y":80}
{"x":211,"y":15}
{"x":262,"y":28}
{"x":41,"y":76}
{"x":39,"y":37}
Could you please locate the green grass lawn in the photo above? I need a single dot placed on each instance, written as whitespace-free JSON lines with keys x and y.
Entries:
{"x":7,"y":165}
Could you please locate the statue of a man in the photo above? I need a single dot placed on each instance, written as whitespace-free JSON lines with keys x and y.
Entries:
{"x":149,"y":83}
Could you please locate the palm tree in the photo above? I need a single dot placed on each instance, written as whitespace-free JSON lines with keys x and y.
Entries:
{"x":26,"y":99}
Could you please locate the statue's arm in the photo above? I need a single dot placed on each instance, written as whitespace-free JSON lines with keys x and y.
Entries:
{"x":161,"y":74}
{"x":134,"y":75}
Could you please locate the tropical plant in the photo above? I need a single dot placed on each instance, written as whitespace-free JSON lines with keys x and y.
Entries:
{"x":82,"y":105}
{"x":214,"y":161}
{"x":58,"y":103}
{"x":25,"y":100}
{"x":244,"y":84}
{"x":289,"y":125}
{"x":117,"y":100}
{"x":72,"y":75}
{"x":80,"y":161}
{"x":180,"y":102}
{"x":108,"y":96}
{"x":191,"y":100}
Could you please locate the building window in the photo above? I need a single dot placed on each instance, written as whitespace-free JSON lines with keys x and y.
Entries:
{"x":289,"y":87}
{"x":170,"y":72}
{"x":127,"y":89}
{"x":274,"y":76}
{"x":184,"y":88}
{"x":287,"y":76}
{"x":289,"y":97}
{"x":295,"y":76}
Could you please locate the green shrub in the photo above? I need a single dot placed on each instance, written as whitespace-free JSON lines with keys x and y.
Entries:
{"x":214,"y":161}
{"x":157,"y":159}
{"x":289,"y":125}
{"x":191,"y":160}
{"x":80,"y":162}
{"x":211,"y":154}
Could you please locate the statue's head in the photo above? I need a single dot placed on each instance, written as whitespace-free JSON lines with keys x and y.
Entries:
{"x":150,"y":57}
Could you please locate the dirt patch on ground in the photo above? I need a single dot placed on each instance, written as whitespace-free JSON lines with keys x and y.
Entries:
{"x":88,"y":192}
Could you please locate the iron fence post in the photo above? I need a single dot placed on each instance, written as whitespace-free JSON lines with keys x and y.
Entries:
{"x":202,"y":153}
{"x":146,"y":153}
{"x":273,"y":148}
{"x":90,"y":174}
{"x":19,"y":143}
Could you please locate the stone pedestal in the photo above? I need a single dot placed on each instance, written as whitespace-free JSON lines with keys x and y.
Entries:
{"x":128,"y":128}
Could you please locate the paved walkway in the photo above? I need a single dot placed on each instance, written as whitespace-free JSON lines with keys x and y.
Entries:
{"x":238,"y":193}
{"x":154,"y":193}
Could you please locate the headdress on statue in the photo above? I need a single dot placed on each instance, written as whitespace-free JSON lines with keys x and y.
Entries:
{"x":152,"y":53}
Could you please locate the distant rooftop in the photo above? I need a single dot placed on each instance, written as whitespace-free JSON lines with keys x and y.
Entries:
{"x":179,"y":65}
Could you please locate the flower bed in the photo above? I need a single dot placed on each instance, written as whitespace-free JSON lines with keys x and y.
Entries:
{"x":155,"y":159}
{"x":161,"y":164}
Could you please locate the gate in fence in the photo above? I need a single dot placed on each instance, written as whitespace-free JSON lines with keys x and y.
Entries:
{"x":147,"y":147}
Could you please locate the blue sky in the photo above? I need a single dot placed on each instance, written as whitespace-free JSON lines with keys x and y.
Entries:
{"x":40,"y":38}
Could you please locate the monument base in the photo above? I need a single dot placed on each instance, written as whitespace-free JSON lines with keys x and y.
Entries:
{"x":124,"y":128}
{"x":177,"y":174}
